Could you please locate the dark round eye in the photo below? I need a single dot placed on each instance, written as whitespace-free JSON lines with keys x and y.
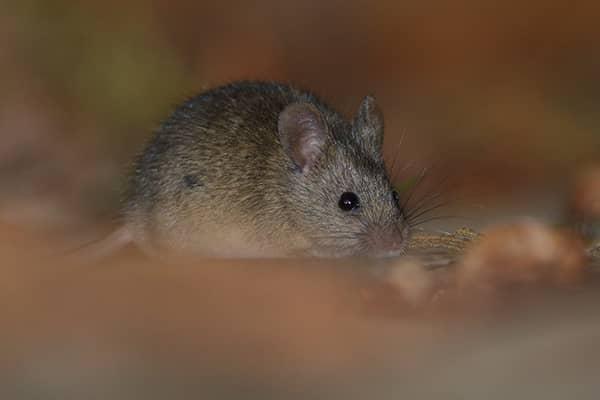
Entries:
{"x":349,"y":201}
{"x":396,"y":198}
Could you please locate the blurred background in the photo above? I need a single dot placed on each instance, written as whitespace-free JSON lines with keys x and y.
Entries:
{"x":499,"y":97}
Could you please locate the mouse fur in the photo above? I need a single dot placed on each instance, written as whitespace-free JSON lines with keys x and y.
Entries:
{"x":258,"y":169}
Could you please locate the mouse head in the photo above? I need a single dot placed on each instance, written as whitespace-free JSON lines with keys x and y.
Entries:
{"x":341,"y":199}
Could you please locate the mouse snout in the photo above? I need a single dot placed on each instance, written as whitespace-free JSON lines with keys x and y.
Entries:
{"x":388,"y":241}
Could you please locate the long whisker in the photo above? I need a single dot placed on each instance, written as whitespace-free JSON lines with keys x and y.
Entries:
{"x":432,"y":204}
{"x":431,"y":200}
{"x":427,"y":210}
{"x":420,"y":222}
{"x":396,"y":153}
{"x":426,"y":204}
{"x":442,"y":185}
{"x":394,"y":175}
{"x":393,"y":165}
{"x":434,"y":218}
{"x":413,"y":188}
{"x":423,"y":202}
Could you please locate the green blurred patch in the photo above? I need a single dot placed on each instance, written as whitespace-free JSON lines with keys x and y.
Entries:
{"x":407,"y":185}
{"x":116,"y":68}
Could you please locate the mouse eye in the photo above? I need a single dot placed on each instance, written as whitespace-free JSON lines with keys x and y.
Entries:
{"x":396,"y":198}
{"x":349,"y":201}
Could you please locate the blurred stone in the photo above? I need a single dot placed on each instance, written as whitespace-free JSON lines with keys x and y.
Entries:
{"x":414,"y":283}
{"x":522,"y":253}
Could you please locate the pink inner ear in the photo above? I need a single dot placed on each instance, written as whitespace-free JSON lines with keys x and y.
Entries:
{"x":311,"y":148}
{"x":302,"y":131}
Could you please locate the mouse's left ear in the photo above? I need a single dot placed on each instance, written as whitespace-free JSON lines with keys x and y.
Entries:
{"x":303,"y":133}
{"x":368,"y":125}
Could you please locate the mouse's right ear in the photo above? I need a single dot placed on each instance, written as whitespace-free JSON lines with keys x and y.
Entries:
{"x":303,"y":133}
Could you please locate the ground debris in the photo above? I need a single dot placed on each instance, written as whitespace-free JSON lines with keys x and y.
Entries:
{"x":452,"y":242}
{"x":437,"y":249}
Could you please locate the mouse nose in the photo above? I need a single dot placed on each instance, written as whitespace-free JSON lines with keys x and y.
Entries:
{"x":389,"y":242}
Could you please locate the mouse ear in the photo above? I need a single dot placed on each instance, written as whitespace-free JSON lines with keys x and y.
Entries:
{"x":303,"y":133}
{"x":368,"y":124}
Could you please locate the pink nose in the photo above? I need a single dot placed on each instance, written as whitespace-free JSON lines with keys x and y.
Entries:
{"x":389,"y":242}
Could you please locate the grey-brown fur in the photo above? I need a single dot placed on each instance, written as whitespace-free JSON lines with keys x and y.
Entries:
{"x":216,"y":180}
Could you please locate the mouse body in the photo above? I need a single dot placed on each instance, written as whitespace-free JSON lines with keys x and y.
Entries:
{"x":262,"y":169}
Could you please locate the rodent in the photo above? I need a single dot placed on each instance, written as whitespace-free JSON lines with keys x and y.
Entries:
{"x":265,"y":169}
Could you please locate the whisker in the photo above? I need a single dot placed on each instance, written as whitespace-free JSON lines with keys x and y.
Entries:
{"x":395,"y":174}
{"x":425,"y":204}
{"x":413,"y":188}
{"x":393,"y":165}
{"x":443,"y":188}
{"x":429,"y":209}
{"x":428,"y":199}
{"x":434,"y":218}
{"x":424,"y":201}
{"x":431,"y":206}
{"x":396,"y":153}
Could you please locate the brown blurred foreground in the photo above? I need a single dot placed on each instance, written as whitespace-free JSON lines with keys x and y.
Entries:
{"x":128,"y":328}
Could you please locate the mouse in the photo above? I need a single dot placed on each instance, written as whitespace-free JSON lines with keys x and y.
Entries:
{"x":264,"y":169}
